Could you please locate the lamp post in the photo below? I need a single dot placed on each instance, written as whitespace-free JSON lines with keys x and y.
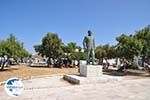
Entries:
{"x":67,"y":64}
{"x":79,"y":50}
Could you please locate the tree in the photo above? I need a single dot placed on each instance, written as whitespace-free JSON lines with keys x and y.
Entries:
{"x":11,"y":47}
{"x":80,"y":54}
{"x":69,"y":48}
{"x":112,"y":52}
{"x":50,"y":47}
{"x":128,"y":46}
{"x":3,"y":48}
{"x":144,"y":36}
{"x":105,"y":52}
{"x":15,"y":48}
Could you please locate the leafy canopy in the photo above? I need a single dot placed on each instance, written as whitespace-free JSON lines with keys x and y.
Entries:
{"x":12,"y":48}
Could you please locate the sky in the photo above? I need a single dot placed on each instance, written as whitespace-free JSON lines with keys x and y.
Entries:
{"x":31,"y":20}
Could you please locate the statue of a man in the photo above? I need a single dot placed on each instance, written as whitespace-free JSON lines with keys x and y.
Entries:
{"x":89,"y":45}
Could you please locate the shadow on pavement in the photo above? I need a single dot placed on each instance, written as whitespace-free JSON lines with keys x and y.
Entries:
{"x":9,"y":69}
{"x":138,"y":73}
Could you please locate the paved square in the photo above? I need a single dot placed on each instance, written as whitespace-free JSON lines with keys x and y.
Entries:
{"x":54,"y":88}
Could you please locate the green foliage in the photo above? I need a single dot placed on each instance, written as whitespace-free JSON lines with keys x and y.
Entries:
{"x":144,"y":36}
{"x":105,"y":51}
{"x":50,"y":47}
{"x":101,"y":51}
{"x":80,"y":54}
{"x":12,"y":48}
{"x":134,"y":45}
{"x":128,"y":46}
{"x":138,"y":44}
{"x":69,"y":48}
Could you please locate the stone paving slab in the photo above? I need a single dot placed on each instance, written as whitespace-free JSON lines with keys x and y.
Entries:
{"x":77,"y":79}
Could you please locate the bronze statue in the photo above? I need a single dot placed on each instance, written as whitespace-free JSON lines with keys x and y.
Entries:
{"x":89,"y":46}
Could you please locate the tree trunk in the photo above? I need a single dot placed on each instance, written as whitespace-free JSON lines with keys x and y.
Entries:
{"x":2,"y":63}
{"x":2,"y":67}
{"x":49,"y":62}
{"x":107,"y":64}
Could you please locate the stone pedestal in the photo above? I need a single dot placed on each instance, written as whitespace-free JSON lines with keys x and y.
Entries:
{"x":90,"y":74}
{"x":90,"y":70}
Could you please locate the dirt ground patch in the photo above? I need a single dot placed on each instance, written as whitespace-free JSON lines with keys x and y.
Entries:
{"x":27,"y":72}
{"x":22,"y":71}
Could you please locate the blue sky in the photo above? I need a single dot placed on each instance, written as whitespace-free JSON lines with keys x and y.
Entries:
{"x":30,"y":20}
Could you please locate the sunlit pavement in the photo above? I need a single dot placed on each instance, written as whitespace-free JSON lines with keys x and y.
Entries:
{"x":54,"y":88}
